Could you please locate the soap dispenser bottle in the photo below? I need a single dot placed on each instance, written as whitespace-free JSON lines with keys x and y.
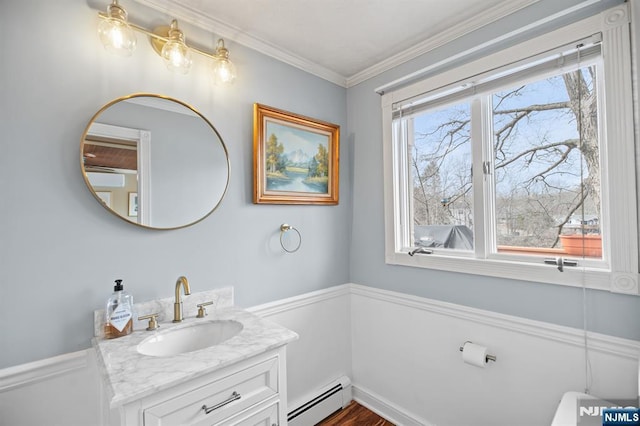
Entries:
{"x":118,"y":313}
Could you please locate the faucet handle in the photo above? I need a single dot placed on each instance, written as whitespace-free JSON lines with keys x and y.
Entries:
{"x":153,"y":321}
{"x":202,"y":312}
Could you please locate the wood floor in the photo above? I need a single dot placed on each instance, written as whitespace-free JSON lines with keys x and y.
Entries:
{"x":355,"y":414}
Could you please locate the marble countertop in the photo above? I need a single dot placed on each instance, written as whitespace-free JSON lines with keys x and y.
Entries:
{"x":129,"y":375}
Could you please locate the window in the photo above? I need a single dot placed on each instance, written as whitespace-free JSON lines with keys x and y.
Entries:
{"x":519,"y":164}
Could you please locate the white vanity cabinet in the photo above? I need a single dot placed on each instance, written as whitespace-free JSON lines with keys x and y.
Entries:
{"x":239,"y":381}
{"x":267,"y":416}
{"x":247,"y":393}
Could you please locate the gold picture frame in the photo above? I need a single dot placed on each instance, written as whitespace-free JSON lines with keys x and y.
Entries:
{"x":295,"y":158}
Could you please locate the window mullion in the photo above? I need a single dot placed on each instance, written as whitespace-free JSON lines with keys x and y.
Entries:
{"x":479,"y":122}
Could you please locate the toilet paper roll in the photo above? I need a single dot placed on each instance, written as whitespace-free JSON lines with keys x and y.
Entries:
{"x":474,"y":354}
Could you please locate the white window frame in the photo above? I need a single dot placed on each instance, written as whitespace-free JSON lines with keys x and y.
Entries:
{"x":619,"y":270}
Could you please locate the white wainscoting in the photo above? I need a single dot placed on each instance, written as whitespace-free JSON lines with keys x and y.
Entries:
{"x":407,"y":365}
{"x":65,"y":391}
{"x":59,"y":391}
{"x":401,"y":353}
{"x":323,"y":353}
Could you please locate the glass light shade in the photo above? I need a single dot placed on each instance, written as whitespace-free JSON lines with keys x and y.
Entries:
{"x":224,"y":72}
{"x":177,"y":56}
{"x":117,"y":36}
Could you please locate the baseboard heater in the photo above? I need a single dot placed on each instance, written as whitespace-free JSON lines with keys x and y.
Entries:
{"x":322,"y":404}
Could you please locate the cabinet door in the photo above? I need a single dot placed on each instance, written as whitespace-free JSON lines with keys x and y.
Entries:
{"x":267,"y":416}
{"x":219,"y":400}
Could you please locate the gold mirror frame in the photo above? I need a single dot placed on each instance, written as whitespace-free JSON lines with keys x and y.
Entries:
{"x":99,"y":195}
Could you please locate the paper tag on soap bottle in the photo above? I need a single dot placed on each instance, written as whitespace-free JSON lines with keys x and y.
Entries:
{"x":120,"y":317}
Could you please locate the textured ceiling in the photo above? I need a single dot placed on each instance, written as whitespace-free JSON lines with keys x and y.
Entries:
{"x":338,"y":38}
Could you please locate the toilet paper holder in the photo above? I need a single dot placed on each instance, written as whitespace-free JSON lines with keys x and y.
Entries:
{"x":488,"y":358}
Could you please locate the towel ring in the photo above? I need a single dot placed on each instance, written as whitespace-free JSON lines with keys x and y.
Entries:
{"x":284,"y":228}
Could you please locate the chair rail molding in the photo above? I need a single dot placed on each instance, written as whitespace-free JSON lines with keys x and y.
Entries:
{"x":37,"y":371}
{"x":599,"y":342}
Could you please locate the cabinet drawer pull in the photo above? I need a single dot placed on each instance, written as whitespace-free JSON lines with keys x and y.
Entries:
{"x":234,"y":397}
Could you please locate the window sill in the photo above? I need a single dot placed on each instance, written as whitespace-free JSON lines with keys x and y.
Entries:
{"x":594,"y":253}
{"x":502,"y":267}
{"x":531,"y":250}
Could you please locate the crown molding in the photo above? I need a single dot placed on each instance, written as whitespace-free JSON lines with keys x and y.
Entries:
{"x":230,"y":32}
{"x":506,"y":36}
{"x":187,"y":14}
{"x":453,"y":32}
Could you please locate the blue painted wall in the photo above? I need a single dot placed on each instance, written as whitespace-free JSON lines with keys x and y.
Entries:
{"x":608,"y":313}
{"x":60,"y":250}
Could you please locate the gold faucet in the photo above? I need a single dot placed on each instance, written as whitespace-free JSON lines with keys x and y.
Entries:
{"x":177,"y":306}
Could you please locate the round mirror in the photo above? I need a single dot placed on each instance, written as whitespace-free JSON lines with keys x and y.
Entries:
{"x":154,"y":161}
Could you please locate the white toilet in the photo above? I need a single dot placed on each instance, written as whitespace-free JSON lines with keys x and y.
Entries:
{"x":567,"y":412}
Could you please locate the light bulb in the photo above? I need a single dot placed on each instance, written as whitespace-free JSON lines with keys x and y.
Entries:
{"x":175,"y":52}
{"x":115,"y":33}
{"x":224,"y":71}
{"x":177,"y":57}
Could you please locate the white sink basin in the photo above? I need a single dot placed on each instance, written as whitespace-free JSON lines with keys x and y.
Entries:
{"x":190,"y":338}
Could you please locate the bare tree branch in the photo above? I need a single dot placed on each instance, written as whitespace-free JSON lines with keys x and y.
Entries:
{"x":569,"y":143}
{"x":538,"y":193}
{"x":570,"y":213}
{"x":531,"y":108}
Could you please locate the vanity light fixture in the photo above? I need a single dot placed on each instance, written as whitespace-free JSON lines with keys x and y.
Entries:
{"x":175,"y":52}
{"x":116,"y":34}
{"x":224,"y":72}
{"x":169,"y":42}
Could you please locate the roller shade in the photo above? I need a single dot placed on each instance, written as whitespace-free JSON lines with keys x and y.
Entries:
{"x":564,"y":59}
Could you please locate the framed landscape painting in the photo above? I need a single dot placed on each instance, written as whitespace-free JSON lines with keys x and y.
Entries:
{"x":295,"y":158}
